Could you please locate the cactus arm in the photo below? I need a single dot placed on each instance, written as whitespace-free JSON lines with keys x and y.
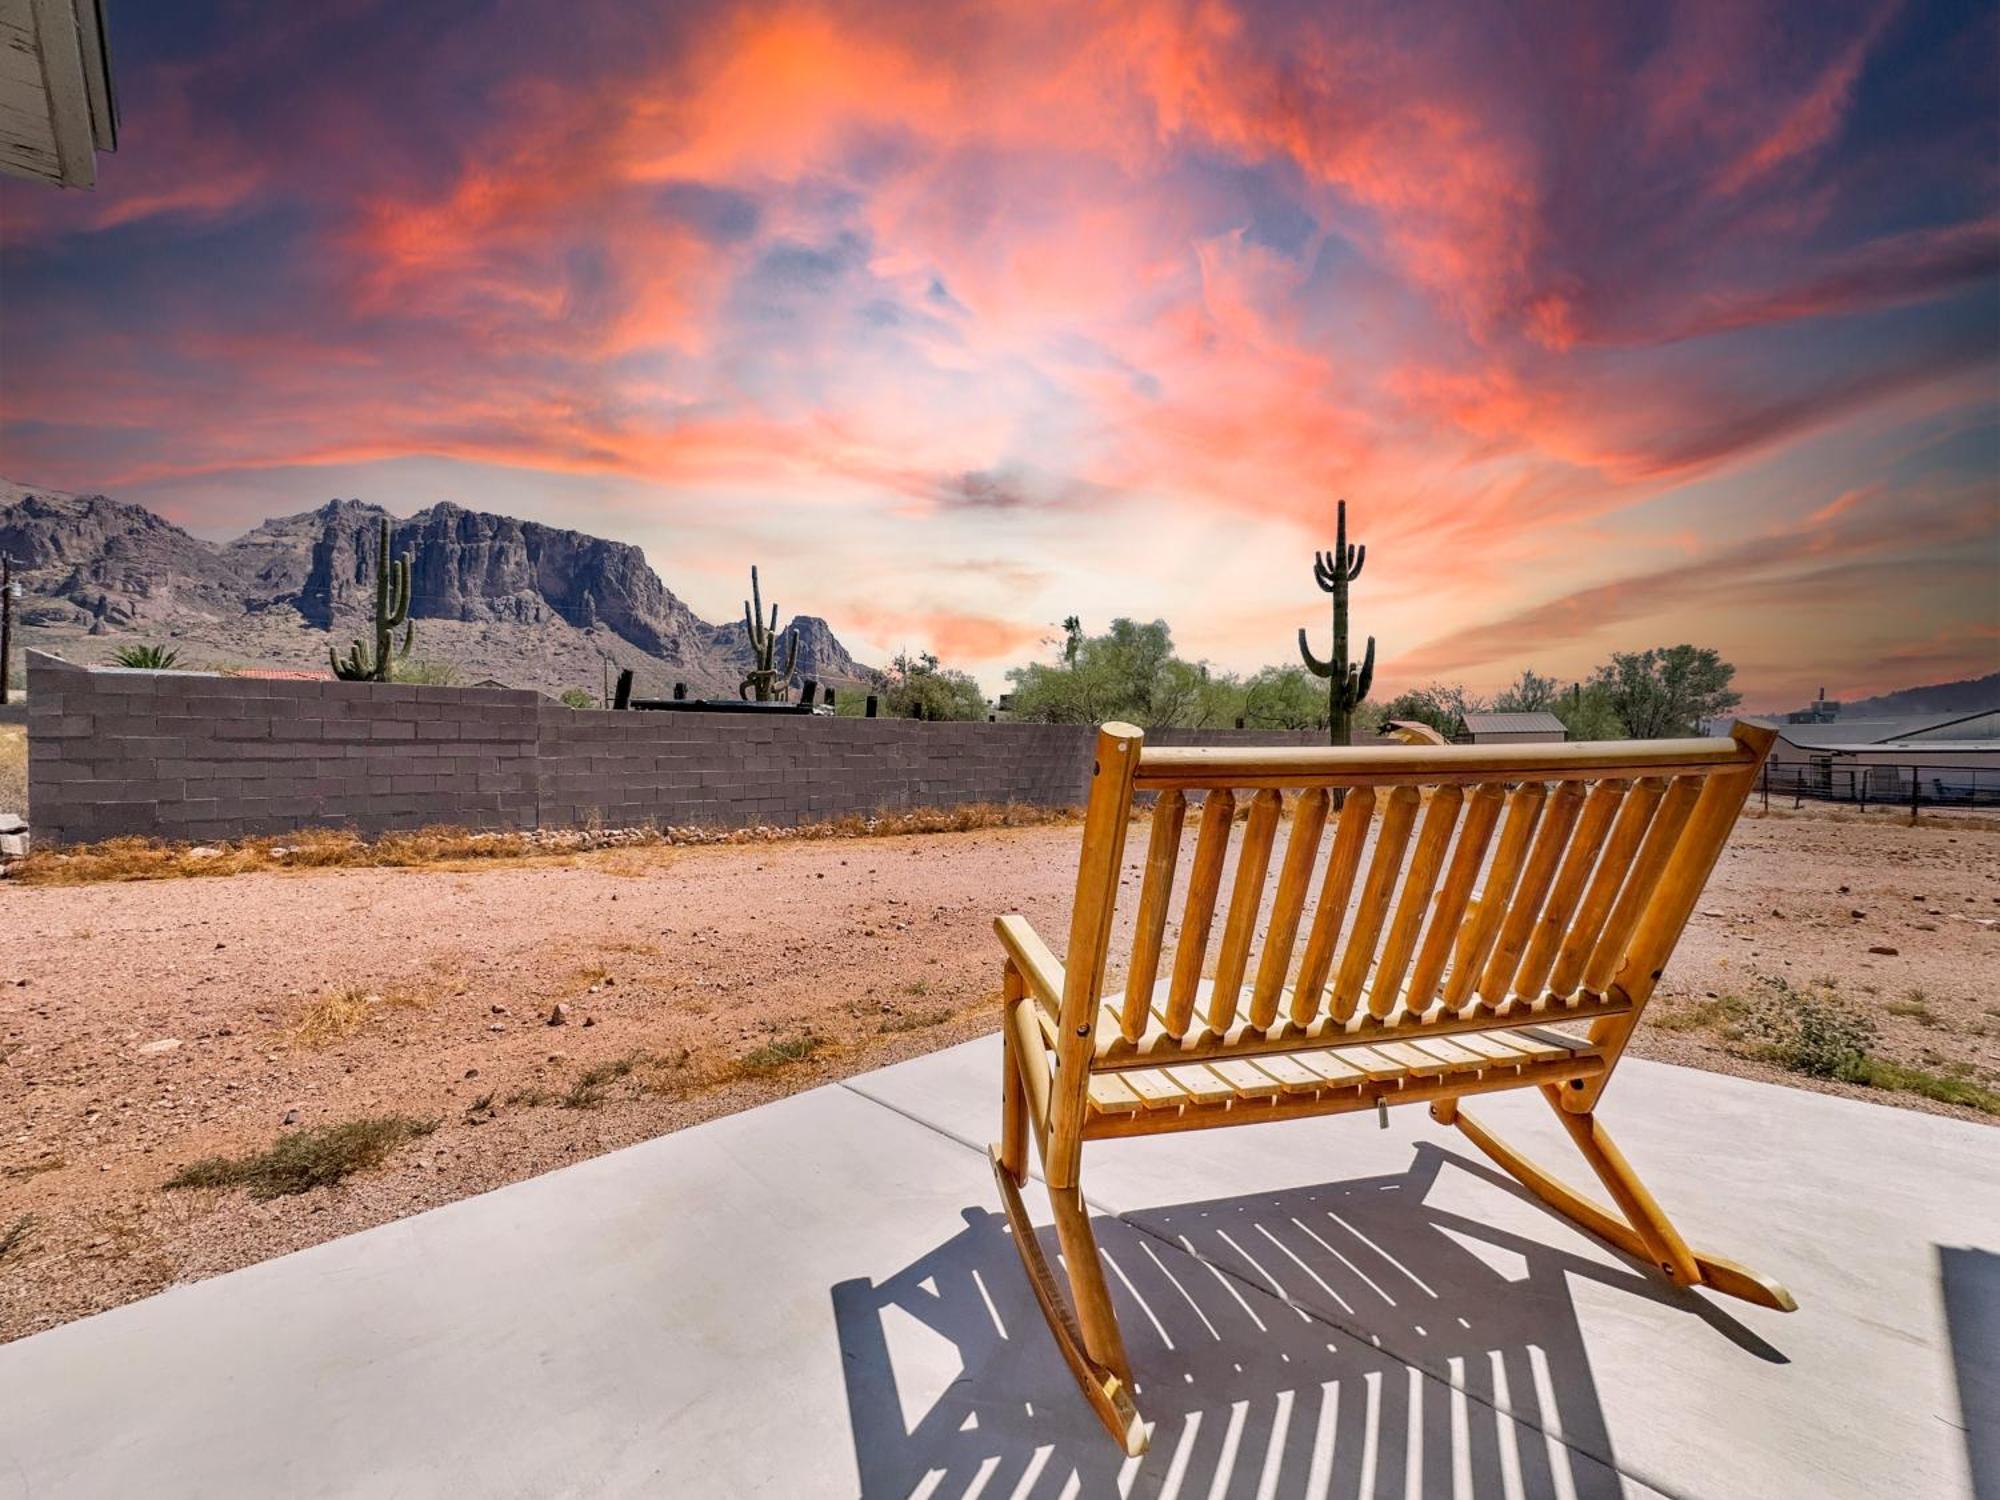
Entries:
{"x":399,"y":590}
{"x":793,"y":659}
{"x":1313,"y":664}
{"x":1366,"y":678}
{"x":1356,"y":562}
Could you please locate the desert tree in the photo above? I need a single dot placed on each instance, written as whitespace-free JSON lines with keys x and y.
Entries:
{"x":1667,"y":691}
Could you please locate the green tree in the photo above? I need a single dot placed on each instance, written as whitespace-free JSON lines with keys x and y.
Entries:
{"x":1531,"y":693}
{"x":1284,"y":698}
{"x":920,"y":687}
{"x":1130,"y":673}
{"x":147,"y":658}
{"x":578,"y":698}
{"x":1439,"y":704}
{"x":1587,"y":714}
{"x":1668,"y":691}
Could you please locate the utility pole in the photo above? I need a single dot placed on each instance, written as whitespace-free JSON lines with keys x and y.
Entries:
{"x":6,"y":621}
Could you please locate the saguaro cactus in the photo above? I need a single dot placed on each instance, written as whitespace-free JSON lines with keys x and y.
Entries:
{"x":764,"y":683}
{"x":1347,"y":685}
{"x":392,"y":608}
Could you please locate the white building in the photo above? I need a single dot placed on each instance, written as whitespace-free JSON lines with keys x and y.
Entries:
{"x":1949,"y":753}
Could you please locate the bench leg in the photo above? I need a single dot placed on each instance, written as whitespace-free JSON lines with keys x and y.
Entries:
{"x":1108,"y":1392}
{"x":1644,"y":1230}
{"x":1012,"y":1153}
{"x":1088,"y":1335}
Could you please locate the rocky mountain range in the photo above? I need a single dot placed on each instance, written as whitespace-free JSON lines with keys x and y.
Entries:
{"x":1970,"y":695}
{"x":495,"y":597}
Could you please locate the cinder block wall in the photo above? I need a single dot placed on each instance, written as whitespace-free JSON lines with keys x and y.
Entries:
{"x":190,"y":756}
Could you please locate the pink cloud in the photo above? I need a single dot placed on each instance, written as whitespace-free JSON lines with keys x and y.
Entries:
{"x":1499,"y":281}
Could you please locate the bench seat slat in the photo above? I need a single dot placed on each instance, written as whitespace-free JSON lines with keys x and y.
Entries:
{"x":1493,"y":1046}
{"x":1291,"y":1075}
{"x":1456,"y":1059}
{"x":1342,"y":1077}
{"x":1246,"y":1078}
{"x":1112,"y":1094}
{"x":1157,"y":1046}
{"x":1156,"y":1090}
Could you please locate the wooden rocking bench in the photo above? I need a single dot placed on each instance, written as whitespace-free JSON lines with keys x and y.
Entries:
{"x":1505,"y":888}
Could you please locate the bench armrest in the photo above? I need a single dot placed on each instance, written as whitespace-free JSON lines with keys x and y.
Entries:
{"x":1032,"y":957}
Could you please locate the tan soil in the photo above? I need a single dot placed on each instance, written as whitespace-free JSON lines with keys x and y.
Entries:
{"x":878,"y":948}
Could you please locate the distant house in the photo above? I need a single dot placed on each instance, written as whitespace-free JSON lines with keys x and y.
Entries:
{"x":1510,"y":729}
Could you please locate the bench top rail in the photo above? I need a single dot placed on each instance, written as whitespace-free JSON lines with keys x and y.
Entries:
{"x":1287,"y":768}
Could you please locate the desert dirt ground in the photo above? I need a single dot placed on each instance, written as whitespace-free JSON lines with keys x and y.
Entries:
{"x":146,"y":1025}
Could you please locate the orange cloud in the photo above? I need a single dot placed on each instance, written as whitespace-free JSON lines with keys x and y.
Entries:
{"x":952,"y":635}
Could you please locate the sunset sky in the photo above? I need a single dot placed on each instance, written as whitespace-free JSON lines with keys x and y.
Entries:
{"x":1615,"y":325}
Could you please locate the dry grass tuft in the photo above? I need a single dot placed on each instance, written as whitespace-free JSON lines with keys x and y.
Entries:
{"x":587,"y":1089}
{"x":335,"y":1017}
{"x":779,"y":1054}
{"x":323,"y":848}
{"x":306,"y":1159}
{"x":919,"y":1021}
{"x":591,"y":1087}
{"x":12,"y":1236}
{"x":13,"y":768}
{"x":34,"y":1168}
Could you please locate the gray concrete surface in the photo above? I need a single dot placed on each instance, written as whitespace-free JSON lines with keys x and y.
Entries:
{"x":818,"y":1298}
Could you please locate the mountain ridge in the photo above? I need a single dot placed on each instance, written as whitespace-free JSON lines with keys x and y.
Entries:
{"x":1967,"y":695}
{"x":501,"y":598}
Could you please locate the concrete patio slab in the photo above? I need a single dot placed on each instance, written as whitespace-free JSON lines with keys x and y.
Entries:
{"x":1861,"y":1210}
{"x":818,"y":1298}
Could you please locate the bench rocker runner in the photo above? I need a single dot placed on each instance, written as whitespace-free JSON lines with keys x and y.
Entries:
{"x":1508,"y":887}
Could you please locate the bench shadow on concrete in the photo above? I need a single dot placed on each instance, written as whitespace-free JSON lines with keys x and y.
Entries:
{"x":1969,"y":1280}
{"x":1261,"y":1331}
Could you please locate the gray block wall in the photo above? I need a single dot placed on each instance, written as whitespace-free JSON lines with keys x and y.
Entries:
{"x":183,"y":755}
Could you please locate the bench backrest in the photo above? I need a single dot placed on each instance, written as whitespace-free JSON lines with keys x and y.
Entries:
{"x":1492,"y":871}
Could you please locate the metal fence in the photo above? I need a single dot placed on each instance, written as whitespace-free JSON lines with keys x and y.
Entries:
{"x":1913,"y":787}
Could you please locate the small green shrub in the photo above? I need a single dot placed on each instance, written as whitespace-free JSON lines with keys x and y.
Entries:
{"x":147,"y":658}
{"x":1809,"y":1032}
{"x":306,"y":1159}
{"x":578,"y":698}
